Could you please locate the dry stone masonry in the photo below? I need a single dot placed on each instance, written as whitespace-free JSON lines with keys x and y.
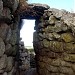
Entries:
{"x":54,"y":39}
{"x":24,"y":57}
{"x":54,"y":43}
{"x":8,"y":37}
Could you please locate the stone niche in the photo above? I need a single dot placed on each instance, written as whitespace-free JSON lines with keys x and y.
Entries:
{"x":53,"y":40}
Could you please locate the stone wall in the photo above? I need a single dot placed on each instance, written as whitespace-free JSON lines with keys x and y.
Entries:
{"x":54,"y":43}
{"x":9,"y":37}
{"x":24,"y":58}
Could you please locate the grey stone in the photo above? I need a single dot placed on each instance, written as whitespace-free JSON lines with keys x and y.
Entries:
{"x":11,"y":72}
{"x":15,"y":5}
{"x":11,"y":51}
{"x":40,"y":6}
{"x":21,"y":43}
{"x":5,"y":73}
{"x":14,"y":50}
{"x":35,"y":35}
{"x":9,"y":64}
{"x":23,"y":54}
{"x":52,"y":19}
{"x":6,"y":13}
{"x":8,"y":50}
{"x":66,"y":70}
{"x":8,"y":37}
{"x":13,"y":39}
{"x":3,"y":30}
{"x":2,"y":47}
{"x":1,"y":7}
{"x":58,"y":13}
{"x":3,"y":64}
{"x":11,"y":4}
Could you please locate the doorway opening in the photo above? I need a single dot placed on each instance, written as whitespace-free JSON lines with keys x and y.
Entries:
{"x":26,"y":33}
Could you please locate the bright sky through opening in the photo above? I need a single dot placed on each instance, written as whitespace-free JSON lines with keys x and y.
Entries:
{"x":28,"y":25}
{"x":27,"y":32}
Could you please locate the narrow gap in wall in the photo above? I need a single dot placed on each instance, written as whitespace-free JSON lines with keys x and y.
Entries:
{"x":26,"y":33}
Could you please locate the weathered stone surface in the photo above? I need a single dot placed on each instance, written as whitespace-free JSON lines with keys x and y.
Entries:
{"x":11,"y":51}
{"x":35,"y":37}
{"x":11,"y":72}
{"x":53,"y":42}
{"x":5,"y":73}
{"x":73,"y":67}
{"x":52,"y":68}
{"x":13,"y":39}
{"x":46,"y":43}
{"x":3,"y":64}
{"x":14,"y":50}
{"x":66,"y":70}
{"x":69,"y":48}
{"x":57,"y":55}
{"x":58,"y":27}
{"x":69,"y":57}
{"x":39,"y":6}
{"x":58,"y":13}
{"x":52,"y":36}
{"x":52,"y":19}
{"x":1,"y":7}
{"x":67,"y":37}
{"x":21,"y":43}
{"x":15,"y":5}
{"x":8,"y":49}
{"x":2,"y":47}
{"x":8,"y":36}
{"x":56,"y":46}
{"x":9,"y":64}
{"x":3,"y":30}
{"x":6,"y":13}
{"x":11,"y":4}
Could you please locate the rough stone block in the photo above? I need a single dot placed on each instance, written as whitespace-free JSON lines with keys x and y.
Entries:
{"x":52,"y":19}
{"x":3,"y":61}
{"x":5,"y":73}
{"x":9,"y":64}
{"x":67,"y":37}
{"x":66,"y":70}
{"x":1,"y":7}
{"x":6,"y":13}
{"x":13,"y":4}
{"x":8,"y":36}
{"x":69,"y":48}
{"x":46,"y":43}
{"x":2,"y":47}
{"x":13,"y":39}
{"x":12,"y":71}
{"x":3,"y":30}
{"x":69,"y":58}
{"x":56,"y":46}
